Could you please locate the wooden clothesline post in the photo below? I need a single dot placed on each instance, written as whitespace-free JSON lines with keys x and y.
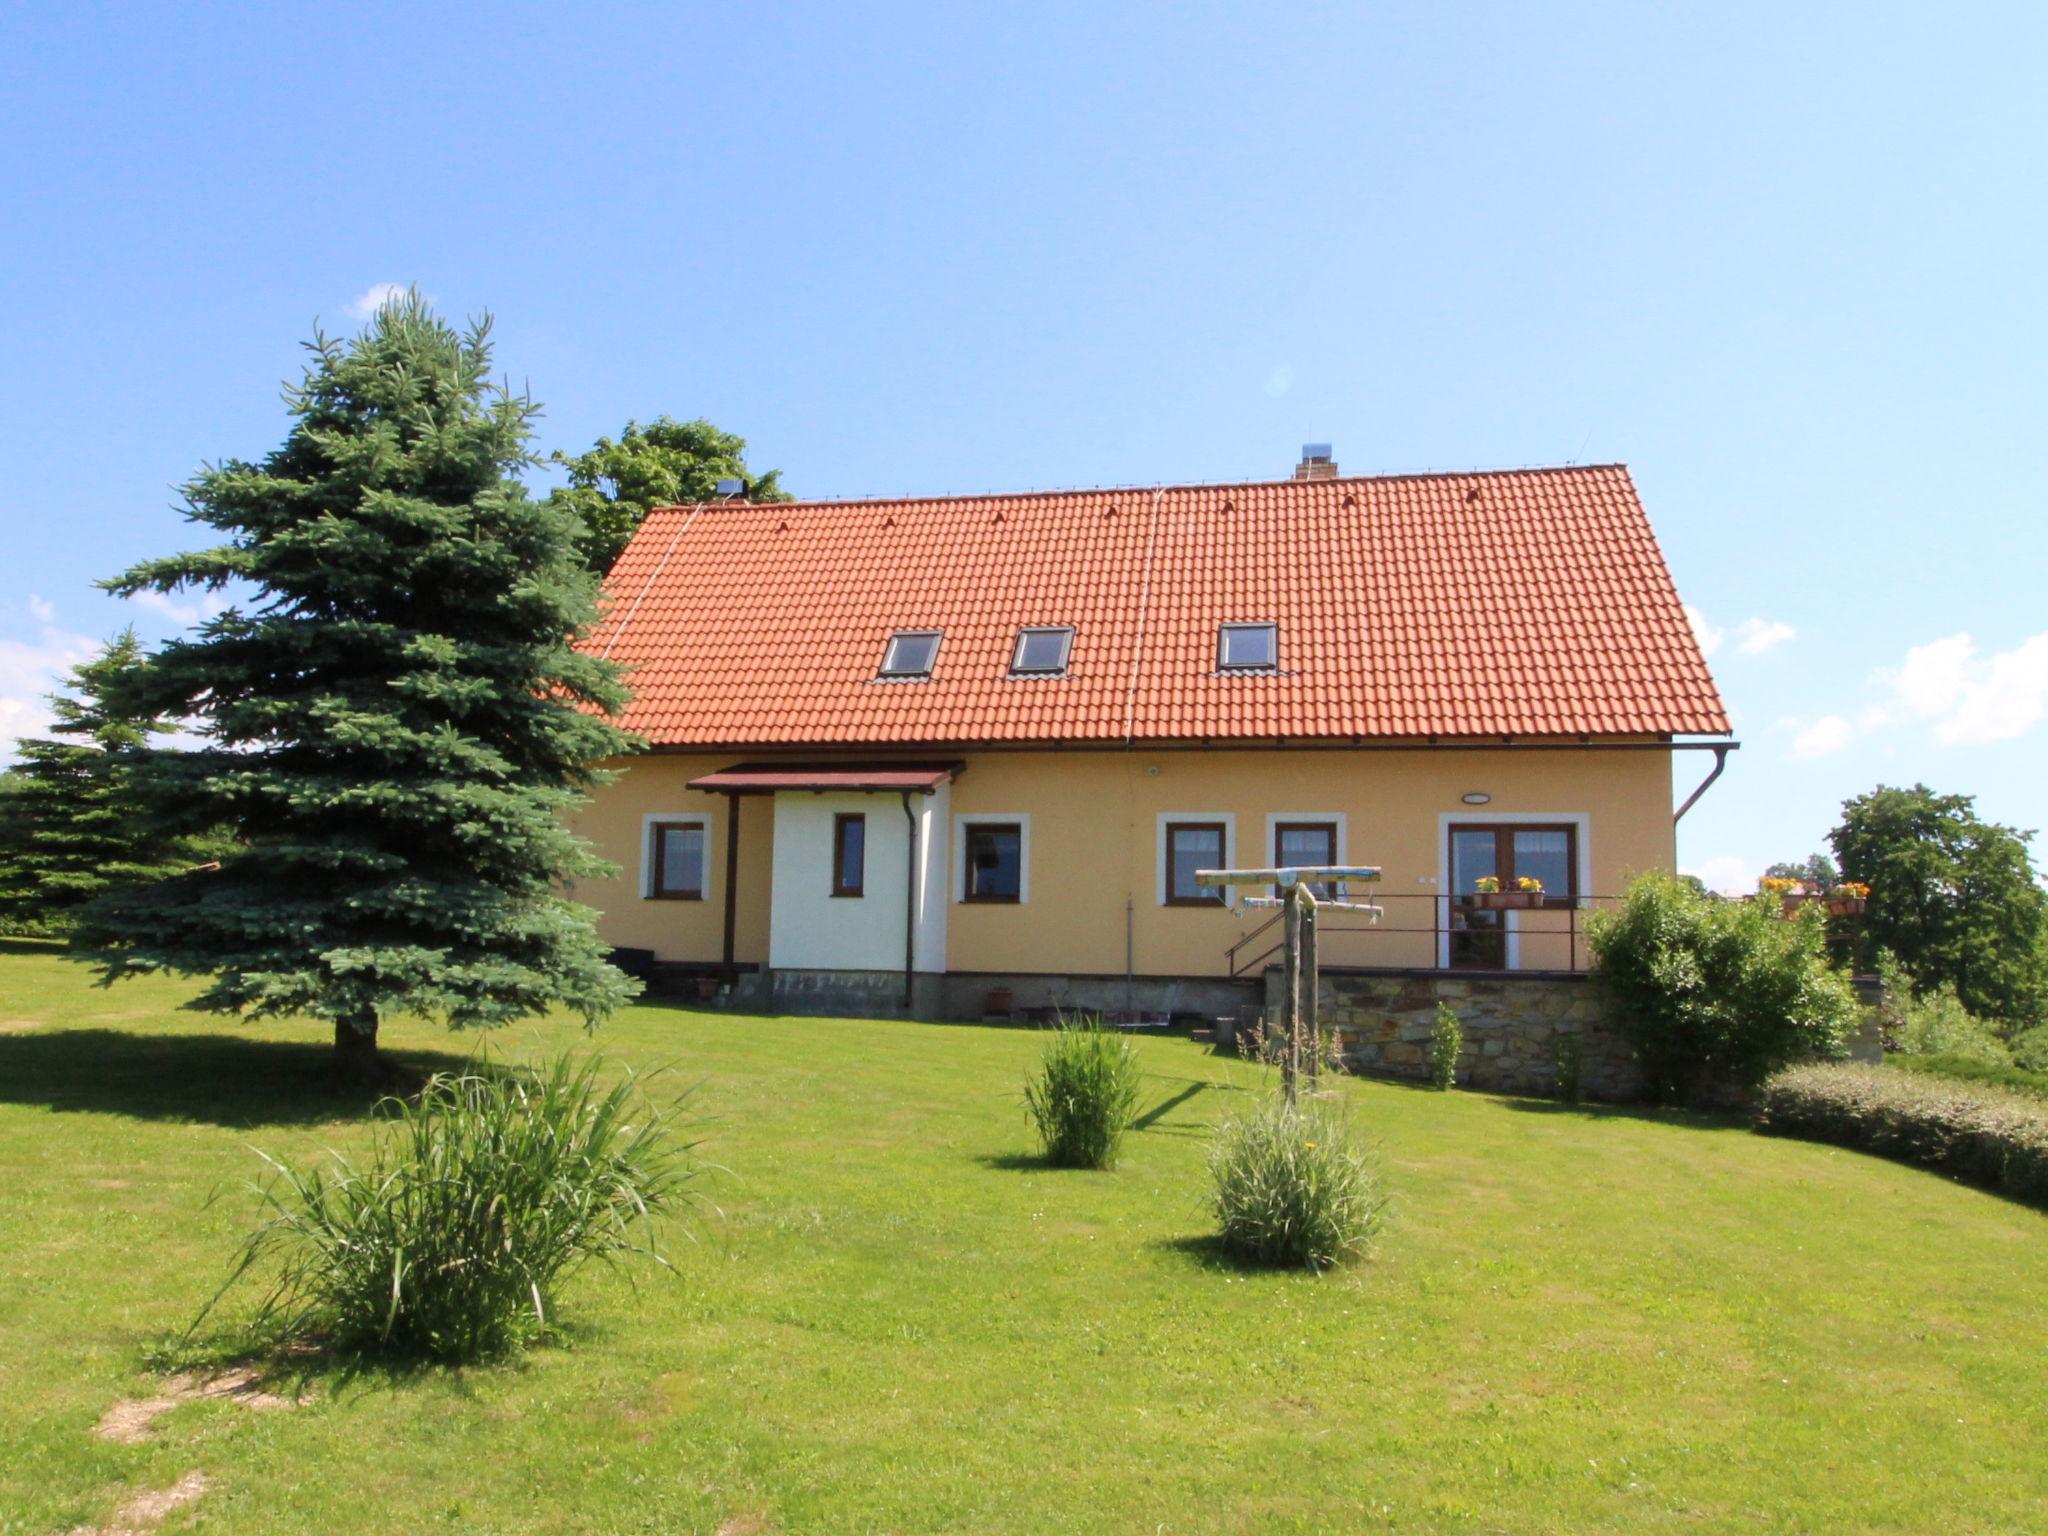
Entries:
{"x":1300,"y":967}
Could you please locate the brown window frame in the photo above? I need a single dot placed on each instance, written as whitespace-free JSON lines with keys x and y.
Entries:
{"x":657,"y":886}
{"x":976,"y":829}
{"x":1282,"y":828}
{"x":1504,"y":853}
{"x":1222,"y":831}
{"x":840,"y":886}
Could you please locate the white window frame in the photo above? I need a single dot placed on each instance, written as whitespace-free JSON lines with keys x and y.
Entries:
{"x":1019,"y":819}
{"x":1066,"y":634}
{"x":937,"y":638}
{"x":1229,"y":892}
{"x":1580,"y":821}
{"x":699,"y":819}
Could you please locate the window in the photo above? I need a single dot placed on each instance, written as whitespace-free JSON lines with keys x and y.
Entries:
{"x":1041,"y":652}
{"x":1248,"y":648}
{"x":1511,"y":853}
{"x":1193,"y":845}
{"x":678,"y":861}
{"x":849,"y":853}
{"x":1305,"y":844}
{"x":911,"y":653}
{"x":995,"y":862}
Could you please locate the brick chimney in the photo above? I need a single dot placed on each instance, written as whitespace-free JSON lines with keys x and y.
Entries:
{"x":1316,"y":463}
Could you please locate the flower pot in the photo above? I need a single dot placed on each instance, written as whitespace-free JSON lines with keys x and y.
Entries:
{"x":1503,"y":901}
{"x":1846,"y":906}
{"x":707,"y":988}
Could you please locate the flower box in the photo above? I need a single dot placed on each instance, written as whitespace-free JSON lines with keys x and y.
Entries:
{"x":1503,"y":901}
{"x":1846,"y":906}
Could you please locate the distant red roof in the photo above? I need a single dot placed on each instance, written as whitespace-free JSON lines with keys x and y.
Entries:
{"x":1524,"y":602}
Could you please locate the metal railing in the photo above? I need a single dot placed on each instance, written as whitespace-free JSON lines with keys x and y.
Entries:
{"x":1426,"y":931}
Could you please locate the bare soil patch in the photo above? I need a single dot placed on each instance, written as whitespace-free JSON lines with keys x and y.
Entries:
{"x":129,"y":1421}
{"x":147,"y":1510}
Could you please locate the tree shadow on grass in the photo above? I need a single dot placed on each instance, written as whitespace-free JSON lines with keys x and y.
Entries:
{"x":50,"y":948}
{"x":226,"y":1080}
{"x":1662,"y":1114}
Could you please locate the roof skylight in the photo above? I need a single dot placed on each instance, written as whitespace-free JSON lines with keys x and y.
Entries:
{"x":910,"y":653}
{"x":1042,"y":651}
{"x":1248,"y":648}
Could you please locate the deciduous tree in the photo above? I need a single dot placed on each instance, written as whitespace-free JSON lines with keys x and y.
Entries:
{"x":613,"y":485}
{"x":1953,"y":896}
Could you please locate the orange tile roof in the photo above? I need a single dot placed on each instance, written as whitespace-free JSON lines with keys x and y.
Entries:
{"x":1521,"y":602}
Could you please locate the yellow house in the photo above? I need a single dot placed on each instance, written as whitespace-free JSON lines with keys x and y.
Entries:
{"x":907,"y":755}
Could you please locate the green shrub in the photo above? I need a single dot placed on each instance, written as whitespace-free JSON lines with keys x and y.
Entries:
{"x":2030,"y":1049}
{"x":1446,"y":1040}
{"x":1084,"y":1094}
{"x":1292,"y":1187}
{"x":479,"y":1198}
{"x":1934,"y":1022}
{"x":1569,"y":1054}
{"x":1715,"y":993}
{"x":1967,"y":1069}
{"x":1983,"y":1134}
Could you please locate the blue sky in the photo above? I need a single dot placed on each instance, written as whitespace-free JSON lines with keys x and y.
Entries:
{"x":1786,"y":262}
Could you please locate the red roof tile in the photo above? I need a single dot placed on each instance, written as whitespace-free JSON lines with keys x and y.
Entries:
{"x":1520,"y":602}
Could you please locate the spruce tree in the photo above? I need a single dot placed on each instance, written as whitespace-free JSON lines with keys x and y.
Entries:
{"x":396,"y":717}
{"x":73,"y":824}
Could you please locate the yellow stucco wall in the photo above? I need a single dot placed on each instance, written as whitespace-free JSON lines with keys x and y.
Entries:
{"x":677,"y":930}
{"x":1094,"y":841}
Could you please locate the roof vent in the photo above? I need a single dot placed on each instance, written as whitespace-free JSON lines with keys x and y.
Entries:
{"x":731,"y":487}
{"x":1316,"y":463}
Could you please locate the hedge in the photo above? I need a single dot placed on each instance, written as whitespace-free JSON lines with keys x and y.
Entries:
{"x":1973,"y":1131}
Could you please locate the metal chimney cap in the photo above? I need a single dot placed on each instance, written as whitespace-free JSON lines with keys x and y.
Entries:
{"x":732,"y":487}
{"x":1315,"y":451}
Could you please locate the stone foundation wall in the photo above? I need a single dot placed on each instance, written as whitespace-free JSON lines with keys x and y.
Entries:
{"x":1512,"y":1026}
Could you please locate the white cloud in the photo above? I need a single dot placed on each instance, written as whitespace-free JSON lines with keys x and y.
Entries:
{"x":1752,"y":636}
{"x":42,"y":609}
{"x":1728,"y":873}
{"x":1820,"y":738}
{"x":374,"y":298}
{"x":1755,"y":636}
{"x":1709,"y":637}
{"x":202,"y":605}
{"x":28,"y":671}
{"x":1973,"y":699}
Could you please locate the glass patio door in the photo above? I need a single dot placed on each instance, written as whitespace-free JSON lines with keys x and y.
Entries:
{"x":1479,"y":940}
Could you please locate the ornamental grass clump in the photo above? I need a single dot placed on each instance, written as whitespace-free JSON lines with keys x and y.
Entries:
{"x":1292,"y":1187}
{"x":1084,"y":1094}
{"x":479,"y":1199}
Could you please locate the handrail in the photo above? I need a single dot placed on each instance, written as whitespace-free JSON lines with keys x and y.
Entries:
{"x":1241,"y":959}
{"x":1230,"y":955}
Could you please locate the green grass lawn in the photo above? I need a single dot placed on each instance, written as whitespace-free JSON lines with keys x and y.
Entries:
{"x":1576,"y":1320}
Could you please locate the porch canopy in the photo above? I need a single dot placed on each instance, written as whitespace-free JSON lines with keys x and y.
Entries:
{"x":885,"y":778}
